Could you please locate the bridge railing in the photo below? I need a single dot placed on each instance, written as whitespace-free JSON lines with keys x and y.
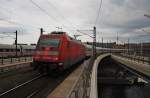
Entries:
{"x":141,"y":59}
{"x":84,"y":84}
{"x":81,"y":87}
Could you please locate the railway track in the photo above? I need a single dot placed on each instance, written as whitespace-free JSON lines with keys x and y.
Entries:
{"x":16,"y":77}
{"x":15,"y":71}
{"x":21,"y":85}
{"x":37,"y":87}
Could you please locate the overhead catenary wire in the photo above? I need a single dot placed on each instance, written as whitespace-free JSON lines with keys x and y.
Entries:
{"x":16,"y":23}
{"x":44,"y":11}
{"x":60,"y":14}
{"x":69,"y":22}
{"x":99,"y":12}
{"x":10,"y":21}
{"x":19,"y":25}
{"x":4,"y":35}
{"x":51,"y":17}
{"x":84,"y":33}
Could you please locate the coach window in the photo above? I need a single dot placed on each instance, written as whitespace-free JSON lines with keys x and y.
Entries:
{"x":7,"y":50}
{"x":4,"y":50}
{"x":1,"y":50}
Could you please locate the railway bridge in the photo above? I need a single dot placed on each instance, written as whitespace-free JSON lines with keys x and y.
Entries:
{"x":107,"y":75}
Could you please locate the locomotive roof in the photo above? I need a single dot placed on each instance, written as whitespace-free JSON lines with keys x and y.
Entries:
{"x":62,"y":33}
{"x":53,"y":34}
{"x":57,"y":32}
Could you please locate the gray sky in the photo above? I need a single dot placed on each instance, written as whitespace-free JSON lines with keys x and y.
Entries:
{"x":123,"y":16}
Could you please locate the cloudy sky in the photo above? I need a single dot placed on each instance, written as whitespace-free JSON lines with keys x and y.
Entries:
{"x":125,"y":17}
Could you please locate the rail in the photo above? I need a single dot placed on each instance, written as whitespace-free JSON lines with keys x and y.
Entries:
{"x":21,"y":85}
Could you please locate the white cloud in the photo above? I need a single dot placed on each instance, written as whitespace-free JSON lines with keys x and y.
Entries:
{"x":123,"y":16}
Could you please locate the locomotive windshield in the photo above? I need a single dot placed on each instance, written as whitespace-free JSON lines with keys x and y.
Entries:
{"x":49,"y":42}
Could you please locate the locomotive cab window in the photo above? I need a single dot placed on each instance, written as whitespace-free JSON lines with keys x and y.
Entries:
{"x":49,"y":42}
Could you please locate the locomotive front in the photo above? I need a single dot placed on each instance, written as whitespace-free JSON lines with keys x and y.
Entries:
{"x":47,"y":52}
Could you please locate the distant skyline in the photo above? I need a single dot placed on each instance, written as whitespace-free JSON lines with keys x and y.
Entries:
{"x":125,"y":17}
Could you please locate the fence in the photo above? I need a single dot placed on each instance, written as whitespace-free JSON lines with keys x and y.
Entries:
{"x":141,"y":59}
{"x":13,"y":59}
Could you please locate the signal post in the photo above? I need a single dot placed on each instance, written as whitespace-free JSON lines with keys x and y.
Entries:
{"x":94,"y":41}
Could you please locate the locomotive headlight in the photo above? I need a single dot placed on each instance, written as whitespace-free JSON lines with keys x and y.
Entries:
{"x":60,"y":64}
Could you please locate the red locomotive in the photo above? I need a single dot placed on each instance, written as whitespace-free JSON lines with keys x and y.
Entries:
{"x":57,"y":51}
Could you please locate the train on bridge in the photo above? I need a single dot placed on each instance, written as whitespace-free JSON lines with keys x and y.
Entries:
{"x":57,"y":51}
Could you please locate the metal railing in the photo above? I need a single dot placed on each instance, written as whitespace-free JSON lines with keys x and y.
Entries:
{"x":14,"y":59}
{"x":140,"y":59}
